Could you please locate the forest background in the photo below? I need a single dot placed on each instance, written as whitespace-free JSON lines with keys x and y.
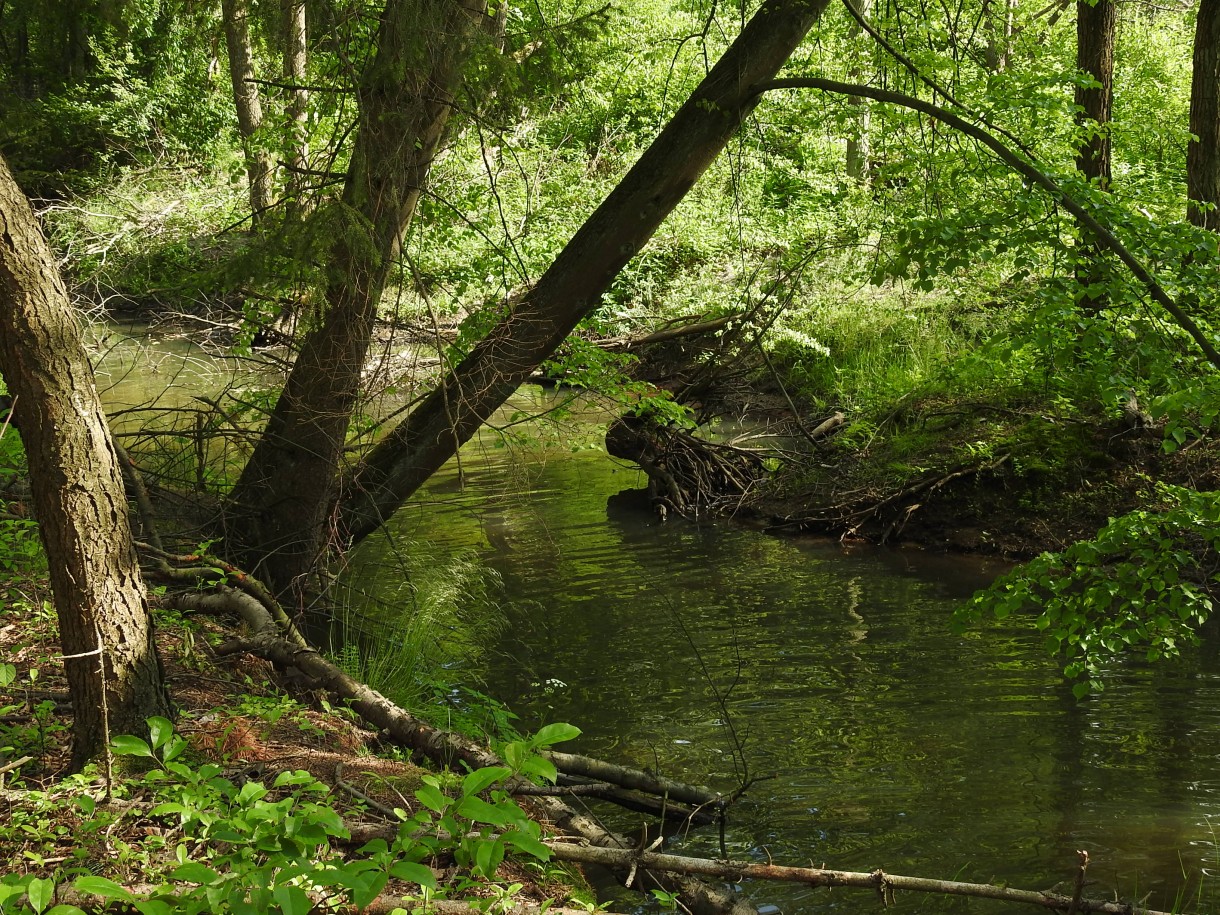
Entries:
{"x":952,"y":244}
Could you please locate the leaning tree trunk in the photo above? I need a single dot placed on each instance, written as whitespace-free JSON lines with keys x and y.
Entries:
{"x":1203,"y":153}
{"x":114,"y":676}
{"x":1096,"y":25}
{"x":573,"y":286}
{"x":277,"y":512}
{"x":236,"y":15}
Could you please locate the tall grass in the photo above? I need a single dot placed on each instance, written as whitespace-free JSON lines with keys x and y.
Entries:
{"x":403,"y":631}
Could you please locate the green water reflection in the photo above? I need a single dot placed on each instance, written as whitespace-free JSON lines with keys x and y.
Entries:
{"x":891,"y":742}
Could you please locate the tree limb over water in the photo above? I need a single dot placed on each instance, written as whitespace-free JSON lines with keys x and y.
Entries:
{"x":1105,"y":237}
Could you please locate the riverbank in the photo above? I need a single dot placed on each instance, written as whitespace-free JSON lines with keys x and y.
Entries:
{"x":982,"y":478}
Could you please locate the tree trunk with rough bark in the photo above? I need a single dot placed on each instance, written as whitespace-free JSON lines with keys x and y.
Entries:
{"x":236,"y":14}
{"x":1096,"y":26}
{"x":114,"y":675}
{"x":1203,"y":153}
{"x":293,"y":14}
{"x":277,"y":514}
{"x":573,"y":286}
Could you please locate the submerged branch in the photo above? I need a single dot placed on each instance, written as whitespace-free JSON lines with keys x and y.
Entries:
{"x":878,"y":881}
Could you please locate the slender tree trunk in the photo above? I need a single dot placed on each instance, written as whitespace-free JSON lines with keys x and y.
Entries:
{"x":858,"y":147}
{"x":278,"y":511}
{"x":236,"y":15}
{"x":1096,"y":26}
{"x":573,"y":286}
{"x":999,"y":32}
{"x":114,"y":675}
{"x":293,"y":12}
{"x":1203,"y":153}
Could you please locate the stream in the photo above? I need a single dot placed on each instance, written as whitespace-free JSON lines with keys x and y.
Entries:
{"x":712,"y":654}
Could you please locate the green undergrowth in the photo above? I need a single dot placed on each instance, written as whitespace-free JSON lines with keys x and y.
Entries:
{"x":175,"y":835}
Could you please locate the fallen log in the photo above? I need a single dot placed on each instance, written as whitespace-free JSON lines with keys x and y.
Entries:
{"x":878,"y":881}
{"x":635,"y":779}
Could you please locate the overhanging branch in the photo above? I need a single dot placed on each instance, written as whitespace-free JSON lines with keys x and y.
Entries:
{"x":1103,"y":235}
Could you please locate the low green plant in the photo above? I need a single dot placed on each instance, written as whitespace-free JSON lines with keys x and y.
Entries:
{"x":1148,"y":580}
{"x":248,"y":848}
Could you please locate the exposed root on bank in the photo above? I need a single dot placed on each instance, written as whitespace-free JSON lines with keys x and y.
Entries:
{"x":884,"y":516}
{"x":687,"y":476}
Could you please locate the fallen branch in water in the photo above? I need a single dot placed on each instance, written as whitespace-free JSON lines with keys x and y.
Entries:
{"x":635,"y":779}
{"x":878,"y":881}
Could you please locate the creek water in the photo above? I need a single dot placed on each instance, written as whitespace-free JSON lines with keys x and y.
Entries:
{"x":713,"y":653}
{"x":709,"y":653}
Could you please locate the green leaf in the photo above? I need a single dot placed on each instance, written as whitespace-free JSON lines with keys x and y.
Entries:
{"x":479,"y":811}
{"x":63,"y":909}
{"x":414,"y":873}
{"x":487,"y":857}
{"x":160,"y":730}
{"x":540,"y":767}
{"x":292,"y":900}
{"x":126,"y":745}
{"x":152,"y":907}
{"x":366,"y":889}
{"x":551,"y":734}
{"x":528,"y":844}
{"x":40,"y":892}
{"x":478,"y":781}
{"x":194,"y":872}
{"x":431,"y":797}
{"x":100,"y":886}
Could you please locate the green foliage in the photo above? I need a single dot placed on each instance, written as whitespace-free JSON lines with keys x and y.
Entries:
{"x":1148,"y":580}
{"x":248,"y":847}
{"x":401,"y":643}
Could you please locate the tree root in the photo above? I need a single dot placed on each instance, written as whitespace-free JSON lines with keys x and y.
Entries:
{"x":687,"y":475}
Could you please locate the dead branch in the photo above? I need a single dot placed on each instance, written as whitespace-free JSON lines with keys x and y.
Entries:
{"x":636,"y":779}
{"x":878,"y":881}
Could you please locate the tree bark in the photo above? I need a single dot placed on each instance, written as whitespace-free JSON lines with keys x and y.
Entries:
{"x":114,"y":675}
{"x":293,"y":13}
{"x":1096,"y":25}
{"x":236,"y":15}
{"x":858,"y":147}
{"x":277,"y":513}
{"x":572,"y":287}
{"x":1203,"y":153}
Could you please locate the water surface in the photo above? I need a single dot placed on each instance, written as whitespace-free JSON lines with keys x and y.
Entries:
{"x":713,"y":653}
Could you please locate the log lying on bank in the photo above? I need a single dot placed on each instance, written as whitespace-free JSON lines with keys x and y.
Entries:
{"x":885,"y":885}
{"x":635,"y":779}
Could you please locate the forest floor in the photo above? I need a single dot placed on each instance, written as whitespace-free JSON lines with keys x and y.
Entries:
{"x":236,"y":713}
